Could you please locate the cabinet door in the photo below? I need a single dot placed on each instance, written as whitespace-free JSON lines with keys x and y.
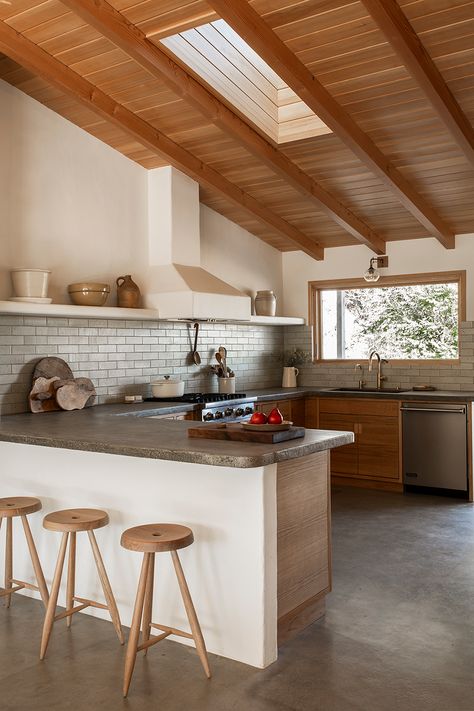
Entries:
{"x":283,"y":405}
{"x":343,"y":459}
{"x":378,"y":439}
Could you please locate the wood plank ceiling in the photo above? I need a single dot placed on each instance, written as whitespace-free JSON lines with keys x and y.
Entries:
{"x":311,"y":193}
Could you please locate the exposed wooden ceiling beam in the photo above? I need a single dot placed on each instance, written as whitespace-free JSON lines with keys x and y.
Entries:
{"x":254,"y":30}
{"x":113,"y":25}
{"x":33,"y":58}
{"x":407,"y":45}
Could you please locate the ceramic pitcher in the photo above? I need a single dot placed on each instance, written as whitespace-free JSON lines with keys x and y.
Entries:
{"x":128,"y":293}
{"x":289,"y":377}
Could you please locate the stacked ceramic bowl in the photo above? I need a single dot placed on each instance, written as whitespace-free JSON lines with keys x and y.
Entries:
{"x":30,"y":285}
{"x":88,"y":293}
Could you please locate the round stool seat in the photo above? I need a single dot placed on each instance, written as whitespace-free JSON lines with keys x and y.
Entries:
{"x":72,"y":520}
{"x":18,"y":506}
{"x":157,"y":537}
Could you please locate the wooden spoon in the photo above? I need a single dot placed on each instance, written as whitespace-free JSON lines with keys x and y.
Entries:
{"x":196,"y":356}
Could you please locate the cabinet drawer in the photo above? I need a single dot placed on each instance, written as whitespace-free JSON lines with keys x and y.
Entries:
{"x":378,"y":463}
{"x":349,"y":406}
{"x":378,"y":432}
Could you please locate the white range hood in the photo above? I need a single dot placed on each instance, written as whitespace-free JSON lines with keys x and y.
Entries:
{"x":177,"y":285}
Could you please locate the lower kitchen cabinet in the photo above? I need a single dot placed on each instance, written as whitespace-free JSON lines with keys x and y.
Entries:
{"x":283,"y":405}
{"x":375,"y":454}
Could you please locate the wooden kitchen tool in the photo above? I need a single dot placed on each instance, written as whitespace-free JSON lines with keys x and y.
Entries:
{"x":51,"y":367}
{"x":42,"y":397}
{"x":75,"y":394}
{"x":234,"y":432}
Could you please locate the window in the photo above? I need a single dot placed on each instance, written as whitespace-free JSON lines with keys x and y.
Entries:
{"x":406,"y":317}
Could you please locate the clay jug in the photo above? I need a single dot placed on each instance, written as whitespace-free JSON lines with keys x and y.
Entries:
{"x":128,"y":293}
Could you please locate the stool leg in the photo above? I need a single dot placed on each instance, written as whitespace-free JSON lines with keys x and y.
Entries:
{"x":53,"y":599}
{"x":9,"y":559}
{"x":71,"y":577}
{"x":109,"y":596}
{"x":148,"y":605}
{"x":132,"y":644}
{"x":36,"y":562}
{"x":191,"y":613}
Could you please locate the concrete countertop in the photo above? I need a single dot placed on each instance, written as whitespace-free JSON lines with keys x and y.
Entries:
{"x":308,"y":391}
{"x":104,"y":428}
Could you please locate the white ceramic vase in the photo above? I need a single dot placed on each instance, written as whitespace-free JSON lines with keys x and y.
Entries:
{"x":289,"y":377}
{"x":265,"y":303}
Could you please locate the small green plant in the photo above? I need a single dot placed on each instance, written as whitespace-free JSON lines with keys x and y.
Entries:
{"x":296,"y":357}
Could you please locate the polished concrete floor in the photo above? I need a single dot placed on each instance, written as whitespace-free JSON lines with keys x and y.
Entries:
{"x":398,"y":634}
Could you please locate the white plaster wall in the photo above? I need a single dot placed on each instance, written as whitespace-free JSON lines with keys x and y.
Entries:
{"x":68,"y":202}
{"x":230,"y":568}
{"x":240,"y":258}
{"x":413,"y":257}
{"x":72,"y":204}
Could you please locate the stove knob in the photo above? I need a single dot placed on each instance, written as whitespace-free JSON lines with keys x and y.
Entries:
{"x":219,"y":415}
{"x":239,"y":412}
{"x":229,"y":411}
{"x":248,"y":410}
{"x":208,"y":416}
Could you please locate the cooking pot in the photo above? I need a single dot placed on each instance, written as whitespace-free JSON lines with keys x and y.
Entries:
{"x":167,"y":387}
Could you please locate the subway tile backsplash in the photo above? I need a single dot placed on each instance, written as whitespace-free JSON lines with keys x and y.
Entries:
{"x":445,"y":376}
{"x":123,"y":356}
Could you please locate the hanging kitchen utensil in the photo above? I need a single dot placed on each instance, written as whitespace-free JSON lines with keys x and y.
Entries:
{"x":223,"y":354}
{"x":196,"y":356}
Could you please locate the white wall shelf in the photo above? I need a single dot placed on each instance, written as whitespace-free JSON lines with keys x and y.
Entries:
{"x":114,"y":312}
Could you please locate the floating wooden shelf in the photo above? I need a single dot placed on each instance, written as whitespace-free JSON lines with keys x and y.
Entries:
{"x":114,"y":312}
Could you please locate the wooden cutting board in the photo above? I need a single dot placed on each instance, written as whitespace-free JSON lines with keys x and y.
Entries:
{"x":52,"y":367}
{"x":235,"y":433}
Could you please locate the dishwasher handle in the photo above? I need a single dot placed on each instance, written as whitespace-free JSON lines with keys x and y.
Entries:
{"x":457,"y":411}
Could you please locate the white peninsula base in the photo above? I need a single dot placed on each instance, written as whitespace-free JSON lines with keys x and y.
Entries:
{"x":260,"y":564}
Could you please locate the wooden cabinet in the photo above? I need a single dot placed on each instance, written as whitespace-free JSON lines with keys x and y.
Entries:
{"x":293,"y":410}
{"x":375,"y":423}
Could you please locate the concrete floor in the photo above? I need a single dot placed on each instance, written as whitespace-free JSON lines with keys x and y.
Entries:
{"x":398,"y":634}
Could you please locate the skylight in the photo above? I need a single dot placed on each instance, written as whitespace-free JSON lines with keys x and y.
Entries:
{"x":224,"y":61}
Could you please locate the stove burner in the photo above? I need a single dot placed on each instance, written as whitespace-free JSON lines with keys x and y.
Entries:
{"x":199,"y":398}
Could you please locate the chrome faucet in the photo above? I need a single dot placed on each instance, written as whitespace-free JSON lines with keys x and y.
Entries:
{"x":380,"y":360}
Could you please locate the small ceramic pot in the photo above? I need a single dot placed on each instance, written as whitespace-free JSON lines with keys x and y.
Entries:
{"x":31,"y":283}
{"x":265,"y":303}
{"x":226,"y":385}
{"x":289,"y":377}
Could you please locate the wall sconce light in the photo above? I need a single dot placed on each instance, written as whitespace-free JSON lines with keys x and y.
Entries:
{"x":372,"y":275}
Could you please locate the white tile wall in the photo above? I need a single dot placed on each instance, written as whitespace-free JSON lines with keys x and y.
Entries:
{"x":123,"y":356}
{"x":444,"y":376}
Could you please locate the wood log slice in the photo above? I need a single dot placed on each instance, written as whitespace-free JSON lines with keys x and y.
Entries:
{"x":51,"y":367}
{"x":42,"y":397}
{"x":75,"y":394}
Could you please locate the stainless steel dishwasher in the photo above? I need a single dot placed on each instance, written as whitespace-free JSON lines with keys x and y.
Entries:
{"x":435,"y":447}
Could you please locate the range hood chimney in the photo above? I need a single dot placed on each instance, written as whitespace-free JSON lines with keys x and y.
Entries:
{"x":177,"y":286}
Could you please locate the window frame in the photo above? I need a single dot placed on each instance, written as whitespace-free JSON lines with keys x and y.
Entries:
{"x":316,"y":287}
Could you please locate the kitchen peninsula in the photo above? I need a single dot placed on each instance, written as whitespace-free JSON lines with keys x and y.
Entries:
{"x":260,"y":568}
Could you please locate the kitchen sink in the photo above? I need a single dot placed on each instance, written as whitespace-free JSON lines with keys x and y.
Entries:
{"x":370,"y":390}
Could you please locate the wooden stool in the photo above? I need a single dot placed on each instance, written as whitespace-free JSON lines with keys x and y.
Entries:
{"x":10,"y":508}
{"x":69,"y":522}
{"x":150,"y":539}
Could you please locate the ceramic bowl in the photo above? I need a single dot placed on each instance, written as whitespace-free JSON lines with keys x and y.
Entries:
{"x":30,"y":283}
{"x":88,"y":293}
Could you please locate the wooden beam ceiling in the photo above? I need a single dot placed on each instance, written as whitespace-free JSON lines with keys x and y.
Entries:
{"x":113,"y":25}
{"x":258,"y":34}
{"x":407,"y":45}
{"x":24,"y":52}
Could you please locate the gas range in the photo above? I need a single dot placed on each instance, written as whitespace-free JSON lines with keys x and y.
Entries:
{"x":217,"y":406}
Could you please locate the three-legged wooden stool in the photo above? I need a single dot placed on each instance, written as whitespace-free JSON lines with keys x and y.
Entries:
{"x":10,"y":508}
{"x":70,"y":522}
{"x":151,"y":539}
